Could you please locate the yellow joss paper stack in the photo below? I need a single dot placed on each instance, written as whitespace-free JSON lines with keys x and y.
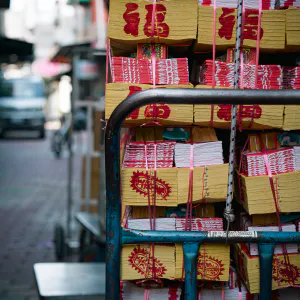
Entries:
{"x":248,"y":267}
{"x":291,"y":117}
{"x":130,"y":21}
{"x":293,"y":28}
{"x":258,"y":197}
{"x":166,"y":114}
{"x":213,"y":262}
{"x":225,"y":29}
{"x":200,"y":211}
{"x":265,"y":116}
{"x":272,"y":30}
{"x":135,"y":189}
{"x":209,"y":184}
{"x":137,"y":262}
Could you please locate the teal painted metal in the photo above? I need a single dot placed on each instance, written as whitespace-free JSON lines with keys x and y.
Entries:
{"x":115,"y":237}
{"x":265,"y":261}
{"x":190,"y":254}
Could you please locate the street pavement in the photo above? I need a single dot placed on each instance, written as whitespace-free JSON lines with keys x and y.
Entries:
{"x":33,"y":195}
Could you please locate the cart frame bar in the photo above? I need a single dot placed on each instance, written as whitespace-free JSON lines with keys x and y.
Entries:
{"x":116,"y":236}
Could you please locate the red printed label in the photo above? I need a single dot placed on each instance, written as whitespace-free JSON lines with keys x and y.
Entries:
{"x":285,"y":273}
{"x":160,"y":29}
{"x":245,"y":111}
{"x":209,"y":267}
{"x":132,"y":19}
{"x":227,"y":21}
{"x":143,"y":183}
{"x":132,"y":90}
{"x":162,"y":111}
{"x":251,"y":25}
{"x":142,"y":262}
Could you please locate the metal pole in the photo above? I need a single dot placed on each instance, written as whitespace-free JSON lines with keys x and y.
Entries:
{"x":75,"y":94}
{"x":88,"y":157}
{"x":228,"y":212}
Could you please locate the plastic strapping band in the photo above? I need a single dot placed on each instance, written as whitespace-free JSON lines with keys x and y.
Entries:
{"x":214,"y":61}
{"x":258,"y":41}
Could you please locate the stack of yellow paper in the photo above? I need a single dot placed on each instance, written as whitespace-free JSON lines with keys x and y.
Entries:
{"x":130,"y":21}
{"x":248,"y":267}
{"x":264,"y":116}
{"x":272,"y":30}
{"x":258,"y":197}
{"x":203,"y":210}
{"x":137,"y":185}
{"x":165,"y":114}
{"x":225,"y":28}
{"x":137,"y":262}
{"x":213,"y":262}
{"x":293,"y":28}
{"x":291,"y":117}
{"x":149,"y":134}
{"x":209,"y":183}
{"x":269,"y":141}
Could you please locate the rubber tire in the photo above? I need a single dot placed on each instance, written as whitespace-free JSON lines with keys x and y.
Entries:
{"x":59,"y":241}
{"x":42,"y":133}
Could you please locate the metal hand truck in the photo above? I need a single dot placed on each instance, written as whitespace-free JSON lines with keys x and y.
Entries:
{"x":117,"y":236}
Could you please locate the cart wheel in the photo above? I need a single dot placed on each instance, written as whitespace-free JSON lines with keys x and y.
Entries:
{"x":59,"y":240}
{"x":93,"y":253}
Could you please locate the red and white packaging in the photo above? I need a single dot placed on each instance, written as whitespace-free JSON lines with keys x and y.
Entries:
{"x":280,"y":161}
{"x":139,"y":70}
{"x":291,"y":77}
{"x":291,"y":248}
{"x":178,"y":224}
{"x":268,"y":76}
{"x":130,"y":291}
{"x":135,"y":155}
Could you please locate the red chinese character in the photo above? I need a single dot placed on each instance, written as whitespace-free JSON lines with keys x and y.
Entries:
{"x":132,"y":90}
{"x":250,"y":111}
{"x":251,"y":25}
{"x":227,"y":21}
{"x":224,"y":113}
{"x":132,"y":19}
{"x":157,"y":111}
{"x":160,"y":29}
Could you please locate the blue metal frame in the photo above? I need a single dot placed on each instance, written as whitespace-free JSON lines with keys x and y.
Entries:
{"x":116,"y":236}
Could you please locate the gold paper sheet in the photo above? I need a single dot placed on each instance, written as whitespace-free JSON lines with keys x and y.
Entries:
{"x":272,"y":24}
{"x":291,"y":117}
{"x":258,"y":197}
{"x":137,"y":262}
{"x":249,"y":269}
{"x":293,"y":28}
{"x":177,"y":21}
{"x":181,"y":114}
{"x":135,"y":191}
{"x":200,"y":211}
{"x":209,"y":184}
{"x":213,"y":262}
{"x":271,"y":117}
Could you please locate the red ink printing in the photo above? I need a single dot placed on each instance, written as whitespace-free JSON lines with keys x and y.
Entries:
{"x":227,"y":21}
{"x":161,"y":29}
{"x":143,"y":183}
{"x":141,"y":261}
{"x":132,"y":19}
